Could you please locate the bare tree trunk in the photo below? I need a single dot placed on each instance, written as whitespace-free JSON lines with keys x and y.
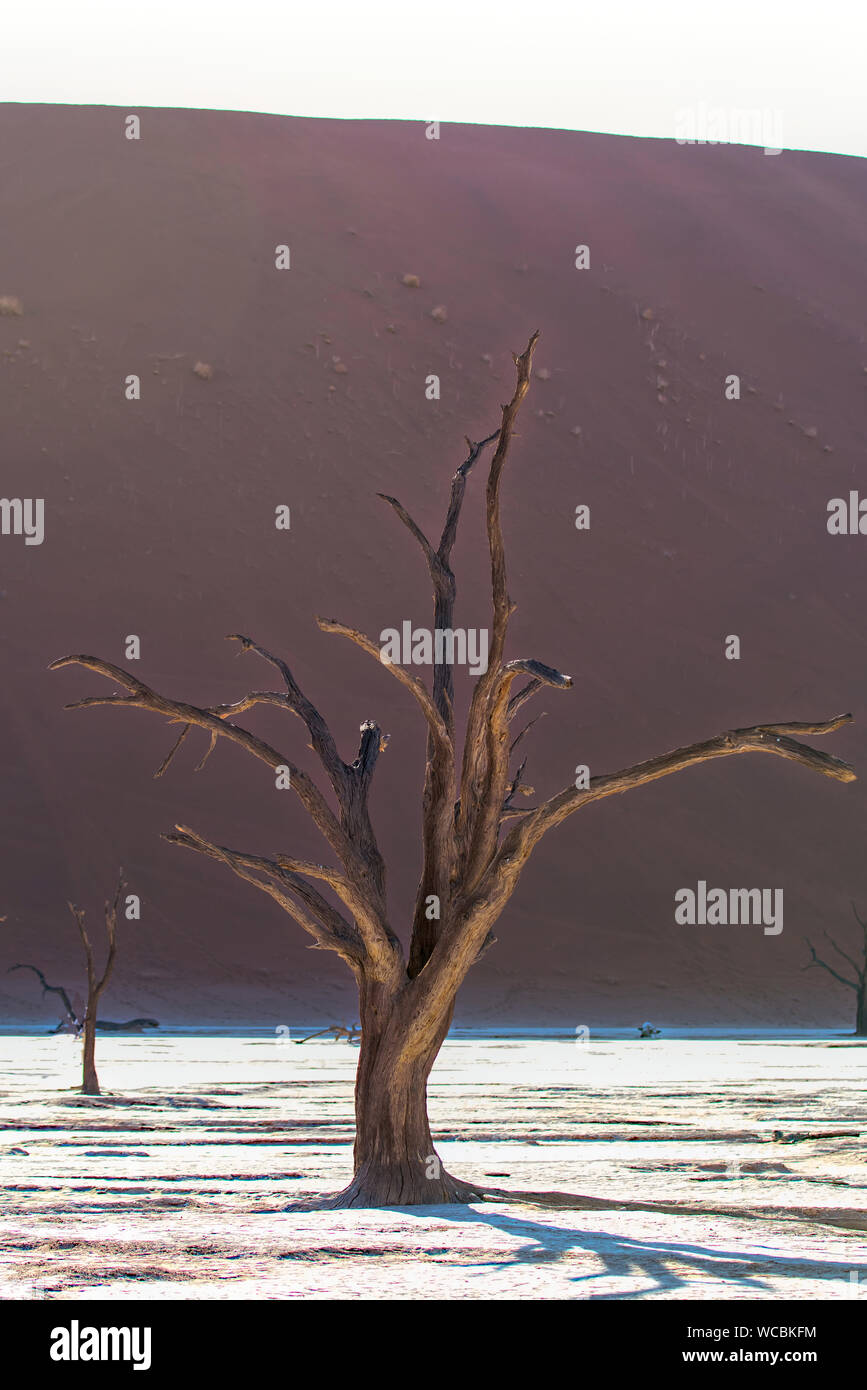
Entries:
{"x":89,"y":1078}
{"x":861,"y":1013}
{"x":395,"y":1161}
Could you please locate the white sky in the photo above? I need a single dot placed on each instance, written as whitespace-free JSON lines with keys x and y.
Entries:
{"x":625,"y":66}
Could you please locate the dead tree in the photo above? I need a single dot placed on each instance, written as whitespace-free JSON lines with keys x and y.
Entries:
{"x":475,"y":844}
{"x":337,"y":1031}
{"x":132,"y":1025}
{"x":71,"y":1016}
{"x":95,"y":987}
{"x":72,"y":1023}
{"x":859,"y":983}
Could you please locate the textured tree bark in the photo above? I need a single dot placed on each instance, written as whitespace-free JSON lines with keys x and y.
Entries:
{"x":395,"y":1162}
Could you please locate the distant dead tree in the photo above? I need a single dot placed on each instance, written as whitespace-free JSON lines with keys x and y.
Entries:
{"x":859,"y":983}
{"x":337,"y":1031}
{"x":88,"y":1024}
{"x":474,"y":842}
{"x":95,"y":987}
{"x":132,"y":1025}
{"x":71,"y":1023}
{"x":72,"y":1020}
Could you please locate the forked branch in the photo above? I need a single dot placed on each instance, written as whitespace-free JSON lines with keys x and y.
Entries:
{"x":817,"y":960}
{"x":460,"y":942}
{"x":760,"y":738}
{"x":141,"y":696}
{"x":52,"y":989}
{"x":329,"y":928}
{"x":351,"y":836}
{"x":483,"y":772}
{"x":439,"y":849}
{"x":96,"y":986}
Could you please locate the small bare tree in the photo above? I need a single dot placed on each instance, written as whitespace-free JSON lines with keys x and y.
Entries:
{"x":475,"y":843}
{"x":95,"y":987}
{"x":859,"y":984}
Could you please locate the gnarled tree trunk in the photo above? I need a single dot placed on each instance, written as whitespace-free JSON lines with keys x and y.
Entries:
{"x":475,"y":841}
{"x":394,"y":1159}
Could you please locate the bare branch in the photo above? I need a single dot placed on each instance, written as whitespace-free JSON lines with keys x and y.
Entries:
{"x":414,"y":530}
{"x":481,"y":846}
{"x":417,"y":688}
{"x":523,"y":695}
{"x":482,"y":779}
{"x":111,"y":911}
{"x":478,"y":908}
{"x":859,"y":969}
{"x":545,"y":675}
{"x":526,"y":729}
{"x":323,"y":922}
{"x":438,"y":560}
{"x":761,"y":738}
{"x":516,"y":780}
{"x":78,"y":914}
{"x":438,"y":820}
{"x":351,"y":838}
{"x":164,"y":765}
{"x":816,"y":960}
{"x":208,"y":751}
{"x":824,"y":726}
{"x":351,"y":785}
{"x":502,"y":604}
{"x":515,"y":786}
{"x":295,"y":699}
{"x":52,"y":989}
{"x":365,"y":935}
{"x":255,"y":697}
{"x":142,"y":697}
{"x":450,"y":529}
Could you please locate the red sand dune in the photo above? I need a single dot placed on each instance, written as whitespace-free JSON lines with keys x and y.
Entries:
{"x":708,"y":518}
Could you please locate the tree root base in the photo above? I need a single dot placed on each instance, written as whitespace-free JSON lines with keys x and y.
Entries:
{"x":399,"y":1187}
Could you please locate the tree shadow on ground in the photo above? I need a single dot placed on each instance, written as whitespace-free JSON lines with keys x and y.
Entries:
{"x":671,"y":1266}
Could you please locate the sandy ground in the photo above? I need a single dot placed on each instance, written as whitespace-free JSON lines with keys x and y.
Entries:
{"x":619,"y":1169}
